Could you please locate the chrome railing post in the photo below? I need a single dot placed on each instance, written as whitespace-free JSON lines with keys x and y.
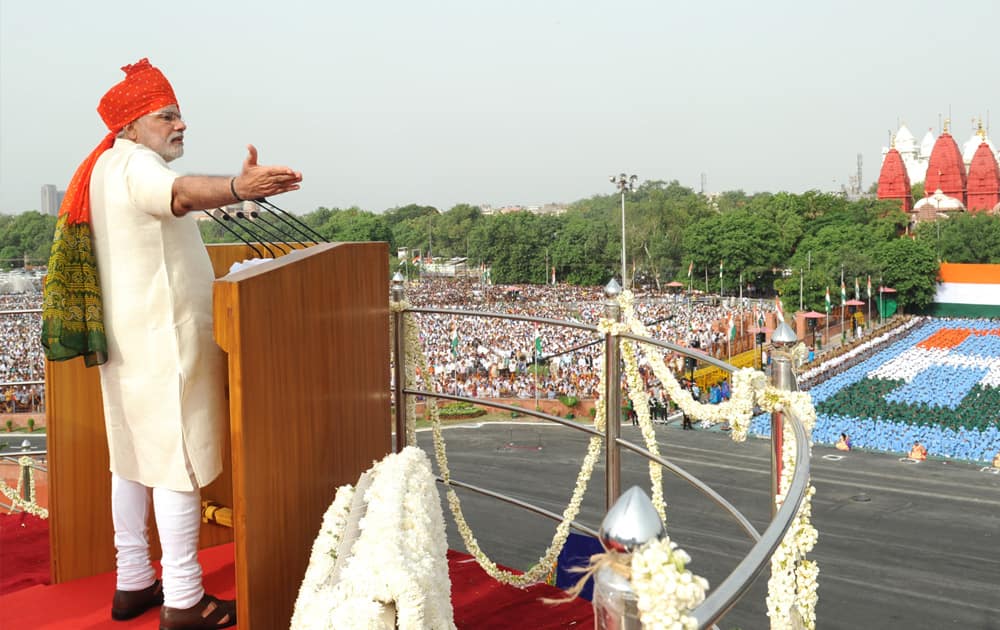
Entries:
{"x":783,"y":378}
{"x":399,"y":369}
{"x":612,"y":398}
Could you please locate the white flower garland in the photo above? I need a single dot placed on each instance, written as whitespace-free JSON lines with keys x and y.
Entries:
{"x":28,"y":505}
{"x":666,"y":591}
{"x":313,"y":606}
{"x":793,"y":585}
{"x":397,"y":572}
{"x":547,"y":562}
{"x":411,"y":339}
{"x":640,"y":404}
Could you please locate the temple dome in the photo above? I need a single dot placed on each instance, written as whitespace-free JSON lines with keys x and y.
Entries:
{"x":940,"y":201}
{"x":946,"y":170}
{"x":927,"y":144}
{"x":983,"y":180}
{"x":893,"y":182}
{"x":972,"y":145}
{"x":905,"y":142}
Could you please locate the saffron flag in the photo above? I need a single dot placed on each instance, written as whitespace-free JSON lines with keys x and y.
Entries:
{"x":828,"y":302}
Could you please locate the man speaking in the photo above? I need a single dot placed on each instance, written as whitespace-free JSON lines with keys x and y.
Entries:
{"x":129,"y":288}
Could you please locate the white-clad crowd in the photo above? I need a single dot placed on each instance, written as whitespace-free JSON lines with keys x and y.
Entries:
{"x":491,"y":357}
{"x":21,"y":356}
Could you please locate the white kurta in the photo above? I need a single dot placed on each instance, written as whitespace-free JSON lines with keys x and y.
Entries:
{"x":164,"y":404}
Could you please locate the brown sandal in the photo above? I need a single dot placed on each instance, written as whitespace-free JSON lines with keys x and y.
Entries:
{"x":211,"y":612}
{"x":130,"y":604}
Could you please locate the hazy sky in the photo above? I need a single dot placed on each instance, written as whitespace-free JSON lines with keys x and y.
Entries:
{"x":439,"y":102}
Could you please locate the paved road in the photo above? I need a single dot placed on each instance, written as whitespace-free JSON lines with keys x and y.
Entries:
{"x":901,"y":545}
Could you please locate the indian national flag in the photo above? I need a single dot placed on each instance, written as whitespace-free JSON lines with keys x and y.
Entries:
{"x":843,"y":293}
{"x":869,"y":287}
{"x":454,"y":341}
{"x":720,"y":268}
{"x":538,"y":341}
{"x":779,"y":308}
{"x":857,"y":289}
{"x":828,"y":301}
{"x":690,"y":268}
{"x":732,"y":328}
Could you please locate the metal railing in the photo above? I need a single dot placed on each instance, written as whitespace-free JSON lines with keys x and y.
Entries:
{"x":723,"y":597}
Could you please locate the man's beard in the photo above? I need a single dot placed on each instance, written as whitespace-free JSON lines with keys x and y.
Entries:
{"x":171,"y":150}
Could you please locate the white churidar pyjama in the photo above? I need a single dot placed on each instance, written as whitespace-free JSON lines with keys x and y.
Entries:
{"x":178,"y":519}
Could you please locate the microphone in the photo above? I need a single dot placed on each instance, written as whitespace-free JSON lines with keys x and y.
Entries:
{"x":250,"y":213}
{"x":233,"y":232}
{"x":222,"y":217}
{"x":257,"y":230}
{"x":291,"y":221}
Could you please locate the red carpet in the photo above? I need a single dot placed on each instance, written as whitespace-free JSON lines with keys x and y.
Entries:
{"x":479,"y":602}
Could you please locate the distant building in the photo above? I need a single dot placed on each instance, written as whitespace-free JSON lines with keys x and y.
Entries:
{"x":51,"y":200}
{"x":966,"y":180}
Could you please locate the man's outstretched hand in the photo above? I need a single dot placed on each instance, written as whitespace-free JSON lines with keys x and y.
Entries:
{"x":256,"y":181}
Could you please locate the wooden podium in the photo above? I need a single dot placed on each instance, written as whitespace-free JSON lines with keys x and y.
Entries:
{"x":307,"y":337}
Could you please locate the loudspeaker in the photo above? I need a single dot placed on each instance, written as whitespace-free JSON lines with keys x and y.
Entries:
{"x":760,"y":338}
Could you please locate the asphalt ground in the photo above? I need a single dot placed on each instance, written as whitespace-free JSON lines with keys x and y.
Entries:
{"x":901,"y":545}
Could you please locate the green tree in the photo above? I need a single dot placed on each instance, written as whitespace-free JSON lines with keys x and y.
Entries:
{"x":910,"y":267}
{"x":26,"y":236}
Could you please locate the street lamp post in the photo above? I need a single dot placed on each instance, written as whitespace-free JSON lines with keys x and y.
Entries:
{"x":624,"y":184}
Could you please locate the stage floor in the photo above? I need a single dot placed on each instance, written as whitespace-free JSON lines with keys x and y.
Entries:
{"x":479,"y":602}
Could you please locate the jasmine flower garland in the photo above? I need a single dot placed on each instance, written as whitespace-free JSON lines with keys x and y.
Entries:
{"x":640,"y":403}
{"x":396,"y":572}
{"x":312,"y":608}
{"x":666,"y":591}
{"x":28,"y":505}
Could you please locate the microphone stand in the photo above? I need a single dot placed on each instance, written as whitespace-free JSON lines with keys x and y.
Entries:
{"x":227,"y":217}
{"x":250,"y":226}
{"x":233,"y":232}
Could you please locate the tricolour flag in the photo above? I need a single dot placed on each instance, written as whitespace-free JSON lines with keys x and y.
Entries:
{"x":828,"y":302}
{"x":857,"y":289}
{"x":538,"y":342}
{"x":778,"y":307}
{"x":720,"y":268}
{"x":690,"y":268}
{"x":732,"y":328}
{"x":454,"y":341}
{"x":843,"y":293}
{"x":869,"y":287}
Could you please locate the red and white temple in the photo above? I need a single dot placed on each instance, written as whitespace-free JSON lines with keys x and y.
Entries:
{"x":955,"y":180}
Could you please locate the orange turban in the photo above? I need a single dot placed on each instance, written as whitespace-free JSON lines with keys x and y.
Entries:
{"x":144,"y":90}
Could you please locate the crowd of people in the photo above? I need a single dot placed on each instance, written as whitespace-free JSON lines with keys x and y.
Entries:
{"x":488,"y":357}
{"x":21,"y":357}
{"x":469,"y":356}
